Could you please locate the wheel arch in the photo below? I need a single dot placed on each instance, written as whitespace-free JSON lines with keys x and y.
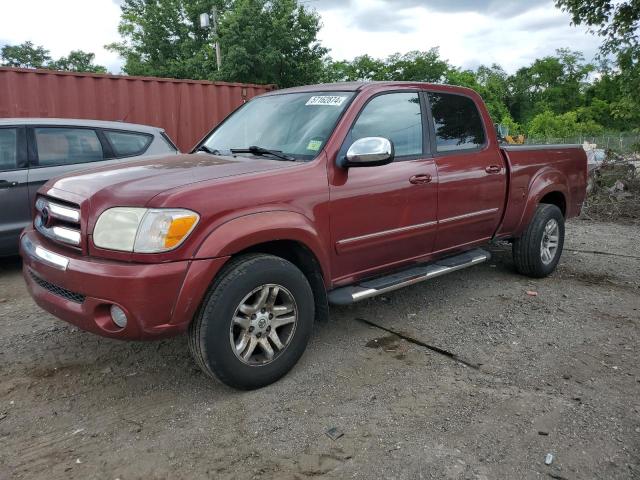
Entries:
{"x":557,"y":198}
{"x":288,"y":235}
{"x":303,"y":258}
{"x":548,"y":187}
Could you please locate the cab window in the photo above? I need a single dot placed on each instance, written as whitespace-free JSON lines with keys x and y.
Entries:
{"x":296,"y":124}
{"x":457,"y":123}
{"x":395,"y":116}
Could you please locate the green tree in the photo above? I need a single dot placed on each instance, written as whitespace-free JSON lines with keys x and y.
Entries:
{"x":416,"y":66}
{"x":28,"y":55}
{"x":618,"y":22}
{"x":556,"y":83}
{"x":551,"y":125}
{"x":271,"y":41}
{"x":262,"y":41}
{"x":25,"y":55}
{"x":490,"y":83}
{"x":362,"y":68}
{"x":163,"y":38}
{"x":494,"y":88}
{"x":77,"y":61}
{"x":333,"y":71}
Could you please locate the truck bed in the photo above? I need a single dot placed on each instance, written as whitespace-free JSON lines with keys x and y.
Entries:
{"x":534,"y":168}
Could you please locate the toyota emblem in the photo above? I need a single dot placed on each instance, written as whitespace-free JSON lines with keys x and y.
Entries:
{"x":46,"y":218}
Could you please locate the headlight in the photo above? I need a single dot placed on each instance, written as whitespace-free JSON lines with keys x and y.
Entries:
{"x":143,"y":230}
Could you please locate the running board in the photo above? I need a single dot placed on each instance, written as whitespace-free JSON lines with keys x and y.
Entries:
{"x":371,"y":288}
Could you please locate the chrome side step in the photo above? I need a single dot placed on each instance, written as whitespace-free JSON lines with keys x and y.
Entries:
{"x":371,"y":288}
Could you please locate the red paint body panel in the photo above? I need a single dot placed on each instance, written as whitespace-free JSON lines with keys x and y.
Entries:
{"x":357,"y":222}
{"x":159,"y":299}
{"x":185,"y":109}
{"x":535,"y":172}
{"x":470,"y":199}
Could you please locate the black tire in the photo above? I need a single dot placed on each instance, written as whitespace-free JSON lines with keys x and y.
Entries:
{"x":209,"y":333}
{"x":527,"y":250}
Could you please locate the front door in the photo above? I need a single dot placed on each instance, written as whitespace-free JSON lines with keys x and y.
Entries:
{"x":384,"y":215}
{"x":471,"y":173}
{"x":14,"y":196}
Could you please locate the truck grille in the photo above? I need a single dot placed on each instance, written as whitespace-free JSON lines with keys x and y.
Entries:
{"x":57,"y":290}
{"x":58,"y":221}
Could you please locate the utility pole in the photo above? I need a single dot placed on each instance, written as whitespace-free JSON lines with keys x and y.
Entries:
{"x":206,"y":22}
{"x":214,"y":29}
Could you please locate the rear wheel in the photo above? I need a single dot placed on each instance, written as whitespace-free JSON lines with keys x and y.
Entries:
{"x":537,"y":252}
{"x":255,"y":322}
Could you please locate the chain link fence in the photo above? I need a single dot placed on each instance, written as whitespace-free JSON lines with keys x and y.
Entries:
{"x":623,"y":143}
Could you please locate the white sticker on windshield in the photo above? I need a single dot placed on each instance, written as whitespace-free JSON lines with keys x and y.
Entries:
{"x":333,"y":100}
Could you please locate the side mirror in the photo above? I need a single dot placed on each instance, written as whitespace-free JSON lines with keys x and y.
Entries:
{"x":368,"y":152}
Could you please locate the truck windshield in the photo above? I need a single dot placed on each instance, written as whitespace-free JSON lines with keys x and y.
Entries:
{"x":294,"y":124}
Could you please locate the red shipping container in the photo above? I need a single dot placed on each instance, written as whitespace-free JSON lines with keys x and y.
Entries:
{"x":186,"y":109}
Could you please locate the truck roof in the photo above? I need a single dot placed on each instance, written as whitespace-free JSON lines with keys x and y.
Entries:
{"x":359,"y":86}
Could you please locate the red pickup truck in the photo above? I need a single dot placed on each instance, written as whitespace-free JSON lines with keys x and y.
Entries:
{"x":301,"y":198}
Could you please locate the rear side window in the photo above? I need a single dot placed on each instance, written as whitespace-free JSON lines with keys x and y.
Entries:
{"x":395,"y":116}
{"x":8,"y":148}
{"x":67,"y":146}
{"x":457,"y":122}
{"x":127,"y":144}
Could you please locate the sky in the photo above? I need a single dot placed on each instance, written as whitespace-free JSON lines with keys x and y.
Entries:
{"x":468,"y":32}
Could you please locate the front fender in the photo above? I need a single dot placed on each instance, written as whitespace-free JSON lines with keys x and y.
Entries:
{"x":547,"y":181}
{"x":249,"y":230}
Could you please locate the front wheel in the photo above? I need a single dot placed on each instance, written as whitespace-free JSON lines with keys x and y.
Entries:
{"x":537,"y":252}
{"x":255,"y":322}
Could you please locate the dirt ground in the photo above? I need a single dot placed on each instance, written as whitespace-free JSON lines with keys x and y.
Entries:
{"x":530,"y":375}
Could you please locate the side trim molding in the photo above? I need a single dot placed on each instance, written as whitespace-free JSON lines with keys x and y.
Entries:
{"x":361,"y":241}
{"x":469,"y":215}
{"x":356,"y":242}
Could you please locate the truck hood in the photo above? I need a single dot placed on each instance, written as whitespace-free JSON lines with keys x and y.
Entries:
{"x":136,"y":183}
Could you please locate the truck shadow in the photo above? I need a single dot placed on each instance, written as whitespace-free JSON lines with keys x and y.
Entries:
{"x":67,"y":354}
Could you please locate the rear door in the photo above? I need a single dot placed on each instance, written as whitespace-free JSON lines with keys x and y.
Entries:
{"x":471,"y":172}
{"x":14,"y":199}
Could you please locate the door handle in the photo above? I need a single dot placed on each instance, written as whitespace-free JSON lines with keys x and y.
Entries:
{"x":7,"y":184}
{"x":420,"y":179}
{"x":493,"y":169}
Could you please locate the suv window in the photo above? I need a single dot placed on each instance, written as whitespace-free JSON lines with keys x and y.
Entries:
{"x":457,"y":122}
{"x":66,"y":146}
{"x":8,"y":148}
{"x":395,"y":116}
{"x":168,"y":141}
{"x":126,"y":144}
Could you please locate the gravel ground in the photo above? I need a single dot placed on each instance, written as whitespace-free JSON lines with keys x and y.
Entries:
{"x":529,"y":375}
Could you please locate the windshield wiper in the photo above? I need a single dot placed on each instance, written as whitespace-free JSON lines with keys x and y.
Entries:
{"x":204,"y":148}
{"x":264,"y":151}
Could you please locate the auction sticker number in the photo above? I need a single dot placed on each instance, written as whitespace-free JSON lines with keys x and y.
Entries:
{"x":333,"y":100}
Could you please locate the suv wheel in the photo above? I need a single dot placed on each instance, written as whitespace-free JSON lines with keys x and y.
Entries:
{"x":255,"y":322}
{"x":537,"y":252}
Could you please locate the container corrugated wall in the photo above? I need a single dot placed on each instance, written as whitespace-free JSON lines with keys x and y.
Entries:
{"x":186,"y":109}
